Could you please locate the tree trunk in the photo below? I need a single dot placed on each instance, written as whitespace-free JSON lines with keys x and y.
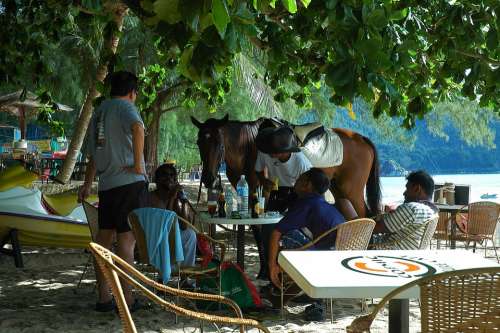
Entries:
{"x":151,"y":141}
{"x":119,"y":11}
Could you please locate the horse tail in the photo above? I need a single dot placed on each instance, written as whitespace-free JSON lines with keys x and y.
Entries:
{"x":373,"y":191}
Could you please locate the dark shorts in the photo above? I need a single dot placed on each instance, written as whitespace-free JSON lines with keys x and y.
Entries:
{"x":115,"y":205}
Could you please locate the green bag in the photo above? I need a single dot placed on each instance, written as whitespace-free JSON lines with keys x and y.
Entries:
{"x":235,"y":285}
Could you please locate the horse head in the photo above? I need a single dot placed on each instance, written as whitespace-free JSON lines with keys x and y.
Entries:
{"x":211,"y":145}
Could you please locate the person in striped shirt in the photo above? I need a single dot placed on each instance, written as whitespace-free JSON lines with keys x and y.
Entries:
{"x":405,"y":224}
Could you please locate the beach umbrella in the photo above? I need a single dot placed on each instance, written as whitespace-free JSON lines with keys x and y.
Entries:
{"x":25,"y":104}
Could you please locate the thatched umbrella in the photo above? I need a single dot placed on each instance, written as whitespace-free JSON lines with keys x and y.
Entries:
{"x":24,"y":107}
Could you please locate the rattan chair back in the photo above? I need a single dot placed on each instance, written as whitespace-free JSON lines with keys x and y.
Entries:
{"x":92,"y":215}
{"x":140,"y":239}
{"x":430,"y":228}
{"x":458,"y":301}
{"x":354,"y":235}
{"x":482,"y":218}
{"x":115,"y":268}
{"x":442,"y":225}
{"x":105,"y":261}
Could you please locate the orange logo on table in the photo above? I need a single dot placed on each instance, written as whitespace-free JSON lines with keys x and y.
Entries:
{"x":389,"y":266}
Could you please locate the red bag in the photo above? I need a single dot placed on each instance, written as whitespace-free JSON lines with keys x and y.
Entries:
{"x":206,"y":251}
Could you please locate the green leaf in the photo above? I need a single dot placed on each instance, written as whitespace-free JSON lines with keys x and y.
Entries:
{"x":167,"y":10}
{"x":220,"y":14}
{"x":305,"y":2}
{"x":398,"y":14}
{"x":185,"y":67}
{"x":376,"y":19}
{"x":290,"y":5}
{"x":492,"y":39}
{"x":232,"y":39}
{"x":339,"y":75}
{"x":331,"y":4}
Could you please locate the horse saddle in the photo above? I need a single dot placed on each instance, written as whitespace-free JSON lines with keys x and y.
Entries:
{"x":308,"y":131}
{"x":321,"y":146}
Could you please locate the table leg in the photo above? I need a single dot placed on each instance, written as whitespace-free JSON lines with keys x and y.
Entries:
{"x":399,"y":316}
{"x":453,"y":230}
{"x":240,"y":248}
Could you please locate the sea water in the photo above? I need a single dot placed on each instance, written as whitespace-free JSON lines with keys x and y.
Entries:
{"x":393,"y":187}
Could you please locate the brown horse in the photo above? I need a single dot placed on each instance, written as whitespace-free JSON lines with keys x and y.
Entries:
{"x":234,"y":142}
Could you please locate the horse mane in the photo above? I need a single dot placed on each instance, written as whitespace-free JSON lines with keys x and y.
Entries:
{"x":244,"y":132}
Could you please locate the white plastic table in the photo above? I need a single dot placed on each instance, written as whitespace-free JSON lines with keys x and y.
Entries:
{"x":373,"y":274}
{"x":240,"y":236}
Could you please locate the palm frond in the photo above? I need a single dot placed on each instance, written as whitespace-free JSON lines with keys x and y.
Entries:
{"x":248,"y":76}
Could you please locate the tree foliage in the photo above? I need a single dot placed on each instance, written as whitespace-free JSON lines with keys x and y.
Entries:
{"x":399,"y":55}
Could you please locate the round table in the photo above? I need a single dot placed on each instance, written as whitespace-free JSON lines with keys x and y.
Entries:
{"x":453,"y":210}
{"x":240,"y":236}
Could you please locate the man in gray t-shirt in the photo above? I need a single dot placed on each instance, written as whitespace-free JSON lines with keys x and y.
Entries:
{"x":116,"y":155}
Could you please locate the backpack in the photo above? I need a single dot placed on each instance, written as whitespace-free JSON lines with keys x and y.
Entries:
{"x":235,"y":285}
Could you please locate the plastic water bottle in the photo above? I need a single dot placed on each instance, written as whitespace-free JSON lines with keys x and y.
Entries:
{"x":229,"y":201}
{"x":242,"y":190}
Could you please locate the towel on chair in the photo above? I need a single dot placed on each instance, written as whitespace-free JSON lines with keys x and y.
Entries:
{"x":157,"y":225}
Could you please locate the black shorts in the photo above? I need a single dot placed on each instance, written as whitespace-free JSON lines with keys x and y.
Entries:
{"x":115,"y":205}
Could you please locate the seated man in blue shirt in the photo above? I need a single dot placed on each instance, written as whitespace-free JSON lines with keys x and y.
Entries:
{"x":308,"y":217}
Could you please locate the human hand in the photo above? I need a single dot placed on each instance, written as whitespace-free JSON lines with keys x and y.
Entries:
{"x":389,"y":208}
{"x":135,"y":169}
{"x":267,"y":185}
{"x":274,"y":271}
{"x":83,"y":192}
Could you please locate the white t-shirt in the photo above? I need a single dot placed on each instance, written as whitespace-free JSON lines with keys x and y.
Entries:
{"x":287,"y":172}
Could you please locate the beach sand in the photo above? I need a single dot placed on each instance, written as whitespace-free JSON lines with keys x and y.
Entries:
{"x":42,"y":297}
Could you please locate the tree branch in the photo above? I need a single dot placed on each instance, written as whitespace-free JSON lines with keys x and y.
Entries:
{"x":168,"y":91}
{"x":480,"y":57}
{"x":169,"y":109}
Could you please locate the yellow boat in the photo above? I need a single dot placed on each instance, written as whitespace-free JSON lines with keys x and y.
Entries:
{"x":25,"y":222}
{"x":45,"y":230}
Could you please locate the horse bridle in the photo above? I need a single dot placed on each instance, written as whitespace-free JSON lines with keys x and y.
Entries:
{"x":219,"y":162}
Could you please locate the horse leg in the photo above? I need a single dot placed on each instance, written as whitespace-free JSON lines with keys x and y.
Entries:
{"x":349,"y":184}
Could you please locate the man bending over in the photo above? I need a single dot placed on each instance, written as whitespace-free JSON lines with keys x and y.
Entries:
{"x":307,"y":218}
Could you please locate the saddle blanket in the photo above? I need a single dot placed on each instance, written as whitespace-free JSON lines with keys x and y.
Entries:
{"x":324,"y":150}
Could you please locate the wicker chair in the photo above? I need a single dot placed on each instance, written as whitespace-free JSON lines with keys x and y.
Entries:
{"x":457,"y":301}
{"x":115,"y":268}
{"x":183,"y":272}
{"x":482,"y":219}
{"x":425,"y":242}
{"x":442,"y":232}
{"x":92,"y":220}
{"x":351,"y":236}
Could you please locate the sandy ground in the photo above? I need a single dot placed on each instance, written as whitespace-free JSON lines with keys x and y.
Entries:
{"x":42,"y":297}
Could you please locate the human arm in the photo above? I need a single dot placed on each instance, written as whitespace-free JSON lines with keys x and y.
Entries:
{"x":138,"y":147}
{"x":260,"y":170}
{"x":394,"y":220}
{"x":265,"y":182}
{"x":84,"y":191}
{"x":274,"y":269}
